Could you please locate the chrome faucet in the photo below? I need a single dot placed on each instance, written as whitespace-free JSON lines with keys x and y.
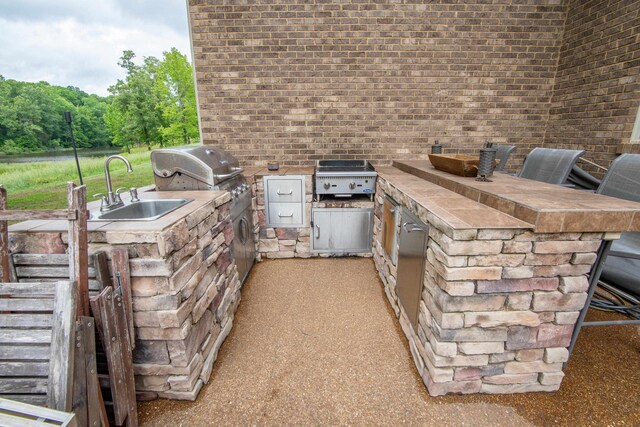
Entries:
{"x":112,"y":200}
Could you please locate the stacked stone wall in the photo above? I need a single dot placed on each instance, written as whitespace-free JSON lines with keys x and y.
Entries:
{"x":498,"y":307}
{"x":185,"y":291}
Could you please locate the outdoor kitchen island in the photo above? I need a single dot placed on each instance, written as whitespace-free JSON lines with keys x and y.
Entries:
{"x":184,"y":284}
{"x":505,"y":274}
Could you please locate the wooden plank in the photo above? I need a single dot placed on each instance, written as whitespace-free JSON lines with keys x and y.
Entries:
{"x":127,"y":361}
{"x":16,"y":421}
{"x":104,"y":304}
{"x":80,"y":377}
{"x":61,"y":272}
{"x":23,"y":352}
{"x":7,"y":405}
{"x":101,"y":267}
{"x":43,"y":259}
{"x":4,"y":238}
{"x":62,"y":348}
{"x":37,"y":214}
{"x":97,"y":414}
{"x":15,"y":304}
{"x":22,"y":336}
{"x":23,"y":385}
{"x":13,"y":276}
{"x":24,"y":369}
{"x":34,"y":290}
{"x":120,"y":264}
{"x":25,"y":320}
{"x":30,"y":399}
{"x":79,"y":247}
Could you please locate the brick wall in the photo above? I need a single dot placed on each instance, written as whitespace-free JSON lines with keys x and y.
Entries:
{"x":298,"y":81}
{"x":597,"y":89}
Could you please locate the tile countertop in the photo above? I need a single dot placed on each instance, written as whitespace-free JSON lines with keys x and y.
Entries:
{"x":259,"y":172}
{"x":200,"y":200}
{"x":550,"y":208}
{"x":457,"y":211}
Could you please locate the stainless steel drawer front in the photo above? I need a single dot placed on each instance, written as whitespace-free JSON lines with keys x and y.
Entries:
{"x":284,"y":201}
{"x":411,"y":264}
{"x":279,"y":214}
{"x":284,"y":190}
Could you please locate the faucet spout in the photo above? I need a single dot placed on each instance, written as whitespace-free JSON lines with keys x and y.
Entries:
{"x":113,"y":200}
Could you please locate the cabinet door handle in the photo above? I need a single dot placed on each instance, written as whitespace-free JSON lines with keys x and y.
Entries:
{"x":410,"y":226}
{"x":284,"y":194}
{"x":317,"y":231}
{"x":243,"y":230}
{"x":285,"y":216}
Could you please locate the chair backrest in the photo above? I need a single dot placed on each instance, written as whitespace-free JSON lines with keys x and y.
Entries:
{"x":623,"y":178}
{"x":37,"y":339}
{"x":503,"y":152}
{"x":550,"y":165}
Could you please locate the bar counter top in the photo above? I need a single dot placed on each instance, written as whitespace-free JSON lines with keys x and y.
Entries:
{"x":548,"y":208}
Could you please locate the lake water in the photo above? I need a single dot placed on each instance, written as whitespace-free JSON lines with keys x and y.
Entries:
{"x":57,"y":156}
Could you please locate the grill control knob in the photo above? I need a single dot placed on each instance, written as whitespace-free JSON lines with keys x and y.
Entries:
{"x":234,"y":193}
{"x":326,"y":185}
{"x":352,"y":186}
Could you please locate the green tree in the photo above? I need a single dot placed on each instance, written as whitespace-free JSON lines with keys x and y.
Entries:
{"x":133,"y":116}
{"x":31,"y":117}
{"x":177,"y":98}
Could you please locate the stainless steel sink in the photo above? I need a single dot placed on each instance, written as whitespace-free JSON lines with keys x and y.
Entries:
{"x":144,"y":210}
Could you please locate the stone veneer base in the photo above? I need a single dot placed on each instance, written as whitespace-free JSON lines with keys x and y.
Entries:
{"x":498,"y":307}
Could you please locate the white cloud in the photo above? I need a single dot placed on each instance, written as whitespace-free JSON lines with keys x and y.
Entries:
{"x":78,"y":43}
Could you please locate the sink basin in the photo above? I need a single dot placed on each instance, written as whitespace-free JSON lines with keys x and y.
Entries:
{"x":144,"y":210}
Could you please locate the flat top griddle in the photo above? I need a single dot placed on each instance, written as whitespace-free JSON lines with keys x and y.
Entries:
{"x":344,"y":166}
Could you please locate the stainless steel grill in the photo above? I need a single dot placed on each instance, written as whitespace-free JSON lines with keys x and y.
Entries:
{"x":210,"y":168}
{"x":198,"y":168}
{"x":344,"y":178}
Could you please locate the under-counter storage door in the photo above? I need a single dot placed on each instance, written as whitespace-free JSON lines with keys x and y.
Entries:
{"x":321,"y":230}
{"x":411,"y":264}
{"x":341,"y":230}
{"x":351,"y":230}
{"x":390,"y":228}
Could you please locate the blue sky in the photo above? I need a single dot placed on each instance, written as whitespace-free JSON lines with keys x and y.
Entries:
{"x":78,"y":42}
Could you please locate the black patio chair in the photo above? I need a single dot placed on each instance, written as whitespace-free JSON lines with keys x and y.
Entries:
{"x":551,"y":165}
{"x":503,"y":152}
{"x":617,"y":268}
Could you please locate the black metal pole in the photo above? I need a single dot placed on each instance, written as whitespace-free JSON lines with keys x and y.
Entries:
{"x":67,"y":117}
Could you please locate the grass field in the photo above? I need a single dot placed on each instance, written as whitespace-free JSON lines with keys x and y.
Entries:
{"x":42,"y":185}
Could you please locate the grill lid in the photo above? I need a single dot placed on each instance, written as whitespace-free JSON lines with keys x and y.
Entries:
{"x":210,"y":165}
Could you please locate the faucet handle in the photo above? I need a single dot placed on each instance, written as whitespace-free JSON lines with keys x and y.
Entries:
{"x":133,"y":191}
{"x":104,"y":202}
{"x":121,"y":190}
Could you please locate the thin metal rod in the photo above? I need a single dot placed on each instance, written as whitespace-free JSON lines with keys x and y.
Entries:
{"x":592,"y":163}
{"x":73,"y":143}
{"x":611,"y":322}
{"x":594,"y":278}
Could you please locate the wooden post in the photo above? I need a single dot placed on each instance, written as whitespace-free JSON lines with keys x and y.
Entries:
{"x":4,"y":238}
{"x":120,"y":263}
{"x":78,"y":246}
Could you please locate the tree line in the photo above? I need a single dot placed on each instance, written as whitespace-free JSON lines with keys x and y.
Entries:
{"x":154,"y":105}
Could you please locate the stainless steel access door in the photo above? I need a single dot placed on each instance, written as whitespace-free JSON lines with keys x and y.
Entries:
{"x":341,"y":230}
{"x":411,"y":264}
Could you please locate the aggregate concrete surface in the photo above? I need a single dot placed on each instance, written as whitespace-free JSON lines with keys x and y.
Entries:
{"x":315,"y":342}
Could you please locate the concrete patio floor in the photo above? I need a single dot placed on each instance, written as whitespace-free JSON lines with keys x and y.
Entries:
{"x":315,"y":342}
